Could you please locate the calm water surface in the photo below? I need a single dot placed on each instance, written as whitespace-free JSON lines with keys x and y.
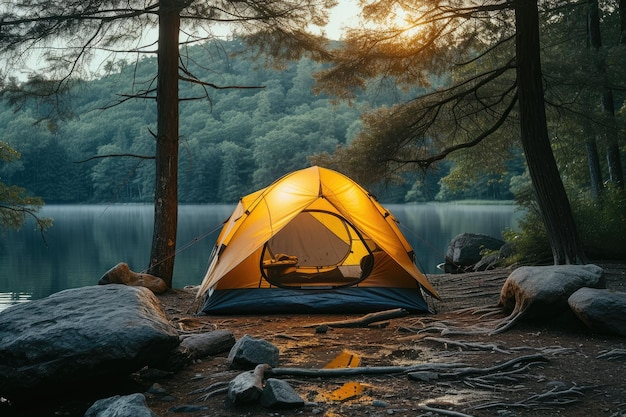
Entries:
{"x":86,"y":241}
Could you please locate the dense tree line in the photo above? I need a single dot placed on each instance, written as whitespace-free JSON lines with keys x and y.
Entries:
{"x":240,"y":139}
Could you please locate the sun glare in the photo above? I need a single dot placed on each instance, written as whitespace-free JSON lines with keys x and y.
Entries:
{"x":347,"y":15}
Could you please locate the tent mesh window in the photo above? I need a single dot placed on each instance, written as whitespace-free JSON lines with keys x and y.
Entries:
{"x":317,"y":249}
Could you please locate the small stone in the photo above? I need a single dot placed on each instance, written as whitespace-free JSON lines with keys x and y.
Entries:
{"x":278,"y":393}
{"x":321,"y":329}
{"x":156,"y":389}
{"x":379,"y":403}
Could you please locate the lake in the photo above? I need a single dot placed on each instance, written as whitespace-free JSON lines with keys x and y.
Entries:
{"x":86,"y":241}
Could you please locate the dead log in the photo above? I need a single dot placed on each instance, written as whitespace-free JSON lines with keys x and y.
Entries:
{"x":366,"y":320}
{"x":367,"y":370}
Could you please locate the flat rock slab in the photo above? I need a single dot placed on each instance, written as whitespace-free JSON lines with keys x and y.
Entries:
{"x":82,"y":333}
{"x":601,"y":310}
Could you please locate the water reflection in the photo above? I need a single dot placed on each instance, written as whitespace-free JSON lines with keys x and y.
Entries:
{"x":86,"y":241}
{"x":11,"y":298}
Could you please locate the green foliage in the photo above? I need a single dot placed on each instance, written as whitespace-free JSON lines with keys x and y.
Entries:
{"x":231,"y":144}
{"x":15,"y":203}
{"x":601,"y":227}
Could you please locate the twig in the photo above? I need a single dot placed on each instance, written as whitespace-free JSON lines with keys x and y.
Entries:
{"x":213,"y":393}
{"x":209,"y":388}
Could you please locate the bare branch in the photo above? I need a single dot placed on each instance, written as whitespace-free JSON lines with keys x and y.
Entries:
{"x":113,"y":155}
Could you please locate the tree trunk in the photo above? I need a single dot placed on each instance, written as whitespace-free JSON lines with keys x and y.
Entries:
{"x":622,"y":21}
{"x":616,"y":175}
{"x":166,"y":186}
{"x":551,"y":196}
{"x":595,"y":173}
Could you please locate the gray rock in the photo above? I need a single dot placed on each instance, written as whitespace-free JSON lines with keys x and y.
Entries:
{"x":464,"y":251}
{"x":89,"y":332}
{"x":601,"y":310}
{"x":542,"y":291}
{"x":279,"y":394}
{"x":249,"y":352}
{"x":245,"y":388}
{"x":133,"y":405}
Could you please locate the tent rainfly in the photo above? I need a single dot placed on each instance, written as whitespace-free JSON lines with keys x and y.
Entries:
{"x":314,"y":241}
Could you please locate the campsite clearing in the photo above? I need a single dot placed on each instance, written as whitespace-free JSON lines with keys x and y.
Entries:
{"x":534,"y":369}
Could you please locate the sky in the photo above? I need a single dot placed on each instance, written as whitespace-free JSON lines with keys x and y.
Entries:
{"x":344,"y":14}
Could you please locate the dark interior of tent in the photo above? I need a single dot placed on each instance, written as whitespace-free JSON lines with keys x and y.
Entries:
{"x":317,"y":250}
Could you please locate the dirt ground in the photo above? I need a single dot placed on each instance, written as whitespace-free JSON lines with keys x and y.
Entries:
{"x":574,"y":372}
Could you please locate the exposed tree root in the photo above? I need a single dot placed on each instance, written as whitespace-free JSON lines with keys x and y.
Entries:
{"x":468,"y":345}
{"x":615,"y":354}
{"x":553,"y":398}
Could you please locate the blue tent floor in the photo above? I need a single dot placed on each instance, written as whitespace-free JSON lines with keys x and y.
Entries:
{"x":288,"y":301}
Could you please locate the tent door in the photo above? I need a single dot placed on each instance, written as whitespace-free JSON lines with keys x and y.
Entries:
{"x":316,"y":250}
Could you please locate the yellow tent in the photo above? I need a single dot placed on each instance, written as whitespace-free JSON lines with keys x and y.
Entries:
{"x":313,"y":241}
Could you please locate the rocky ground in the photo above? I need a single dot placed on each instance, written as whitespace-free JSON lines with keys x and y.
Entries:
{"x":569,"y":370}
{"x":551,"y":367}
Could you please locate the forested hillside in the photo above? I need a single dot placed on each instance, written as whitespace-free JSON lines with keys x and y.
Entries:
{"x":239,"y":140}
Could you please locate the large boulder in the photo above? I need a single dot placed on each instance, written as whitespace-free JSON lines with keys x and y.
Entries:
{"x":601,"y":310}
{"x":542,"y":291}
{"x":83,"y":333}
{"x":466,"y":250}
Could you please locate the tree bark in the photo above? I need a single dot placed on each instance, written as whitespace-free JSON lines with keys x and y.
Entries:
{"x":166,"y":187}
{"x":616,"y":175}
{"x":622,"y":21}
{"x":595,"y":173}
{"x":549,"y":189}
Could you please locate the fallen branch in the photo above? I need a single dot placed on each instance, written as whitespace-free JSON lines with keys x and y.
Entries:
{"x":367,"y":370}
{"x":365,"y":320}
{"x":446,"y":370}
